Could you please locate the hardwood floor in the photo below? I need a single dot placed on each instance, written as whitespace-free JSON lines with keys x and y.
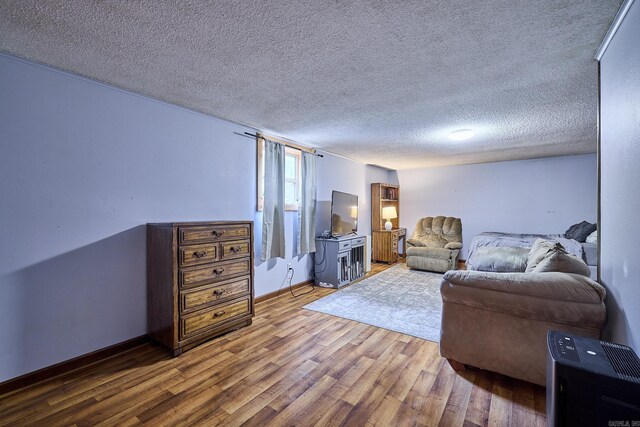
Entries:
{"x":291,"y":367}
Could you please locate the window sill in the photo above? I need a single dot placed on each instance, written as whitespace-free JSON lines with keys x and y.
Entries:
{"x":286,"y":209}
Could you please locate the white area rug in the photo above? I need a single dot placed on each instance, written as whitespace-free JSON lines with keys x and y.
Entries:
{"x":399,"y":299}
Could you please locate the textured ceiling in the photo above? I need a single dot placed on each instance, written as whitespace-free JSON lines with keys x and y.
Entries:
{"x":380,"y":82}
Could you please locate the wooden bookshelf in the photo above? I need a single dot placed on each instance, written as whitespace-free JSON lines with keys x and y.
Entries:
{"x":382,"y":196}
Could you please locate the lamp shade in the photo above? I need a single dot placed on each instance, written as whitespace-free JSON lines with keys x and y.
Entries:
{"x":354,"y":212}
{"x":389,"y":212}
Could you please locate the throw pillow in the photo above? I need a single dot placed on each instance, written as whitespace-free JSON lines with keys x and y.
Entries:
{"x":562,"y":262}
{"x":592,"y":238}
{"x":501,"y":260}
{"x":453,"y":245}
{"x":539,"y":251}
{"x":580,"y":231}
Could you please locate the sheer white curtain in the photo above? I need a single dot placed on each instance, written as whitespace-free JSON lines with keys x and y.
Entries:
{"x":273,"y":212}
{"x":307,"y":234}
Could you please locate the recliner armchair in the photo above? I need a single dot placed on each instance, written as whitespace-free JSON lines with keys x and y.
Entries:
{"x":435,"y":244}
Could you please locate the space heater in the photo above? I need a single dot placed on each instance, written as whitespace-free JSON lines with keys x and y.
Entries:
{"x":591,"y":382}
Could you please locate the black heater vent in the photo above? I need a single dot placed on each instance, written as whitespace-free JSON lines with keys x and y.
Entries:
{"x":624,"y":361}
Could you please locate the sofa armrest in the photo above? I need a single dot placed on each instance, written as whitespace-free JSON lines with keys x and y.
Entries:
{"x":437,"y":253}
{"x":415,"y":243}
{"x":453,"y":245}
{"x":557,"y":297}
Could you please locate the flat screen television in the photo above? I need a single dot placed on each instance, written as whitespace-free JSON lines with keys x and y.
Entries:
{"x":344,"y":213}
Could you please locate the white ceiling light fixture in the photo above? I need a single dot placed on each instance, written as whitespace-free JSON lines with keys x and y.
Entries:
{"x":461,"y":134}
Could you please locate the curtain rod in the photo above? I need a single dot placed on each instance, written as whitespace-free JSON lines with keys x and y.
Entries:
{"x":288,"y":144}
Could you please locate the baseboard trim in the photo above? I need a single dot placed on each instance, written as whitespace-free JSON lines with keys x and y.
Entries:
{"x":67,"y":366}
{"x":275,"y":294}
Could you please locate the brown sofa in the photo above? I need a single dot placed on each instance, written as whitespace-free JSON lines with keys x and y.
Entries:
{"x":499,"y":321}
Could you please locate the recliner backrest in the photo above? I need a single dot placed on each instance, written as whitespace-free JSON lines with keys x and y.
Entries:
{"x":439,"y":229}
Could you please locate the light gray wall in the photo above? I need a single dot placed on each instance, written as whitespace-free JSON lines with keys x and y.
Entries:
{"x":84,"y":167}
{"x":338,"y":173}
{"x":526,"y":196}
{"x":620,"y":176}
{"x":334,"y":173}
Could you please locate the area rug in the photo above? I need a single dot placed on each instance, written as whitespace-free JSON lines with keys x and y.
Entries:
{"x":399,"y":299}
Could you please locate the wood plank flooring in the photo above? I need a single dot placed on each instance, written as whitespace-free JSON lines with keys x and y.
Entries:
{"x":290,"y":367}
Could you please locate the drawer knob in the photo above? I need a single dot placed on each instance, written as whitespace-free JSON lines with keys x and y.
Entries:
{"x":199,"y":254}
{"x":218,"y":271}
{"x":219,"y":292}
{"x":219,"y":313}
{"x":218,"y":233}
{"x":235,"y":249}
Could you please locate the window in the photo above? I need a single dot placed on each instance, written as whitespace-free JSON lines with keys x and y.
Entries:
{"x":292,"y":177}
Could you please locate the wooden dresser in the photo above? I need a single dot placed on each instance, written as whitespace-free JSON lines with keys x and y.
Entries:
{"x":199,"y":281}
{"x":385,"y":245}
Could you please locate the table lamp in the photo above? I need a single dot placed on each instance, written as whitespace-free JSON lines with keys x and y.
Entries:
{"x":389,"y":213}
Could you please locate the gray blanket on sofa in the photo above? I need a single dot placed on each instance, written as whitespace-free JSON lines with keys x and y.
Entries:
{"x":514,"y":240}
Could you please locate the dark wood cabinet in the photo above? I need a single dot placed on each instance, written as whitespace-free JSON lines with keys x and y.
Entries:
{"x":199,"y":281}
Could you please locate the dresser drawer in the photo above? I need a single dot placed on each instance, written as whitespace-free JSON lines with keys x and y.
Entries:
{"x":213,"y":233}
{"x":203,"y":296}
{"x":215,"y":272}
{"x":357,"y":242}
{"x":235,"y":249}
{"x":202,"y":320}
{"x":344,"y":245}
{"x":197,"y":254}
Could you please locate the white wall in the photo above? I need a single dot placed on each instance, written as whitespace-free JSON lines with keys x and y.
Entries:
{"x":526,"y":196}
{"x":620,"y":176}
{"x":84,"y":167}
